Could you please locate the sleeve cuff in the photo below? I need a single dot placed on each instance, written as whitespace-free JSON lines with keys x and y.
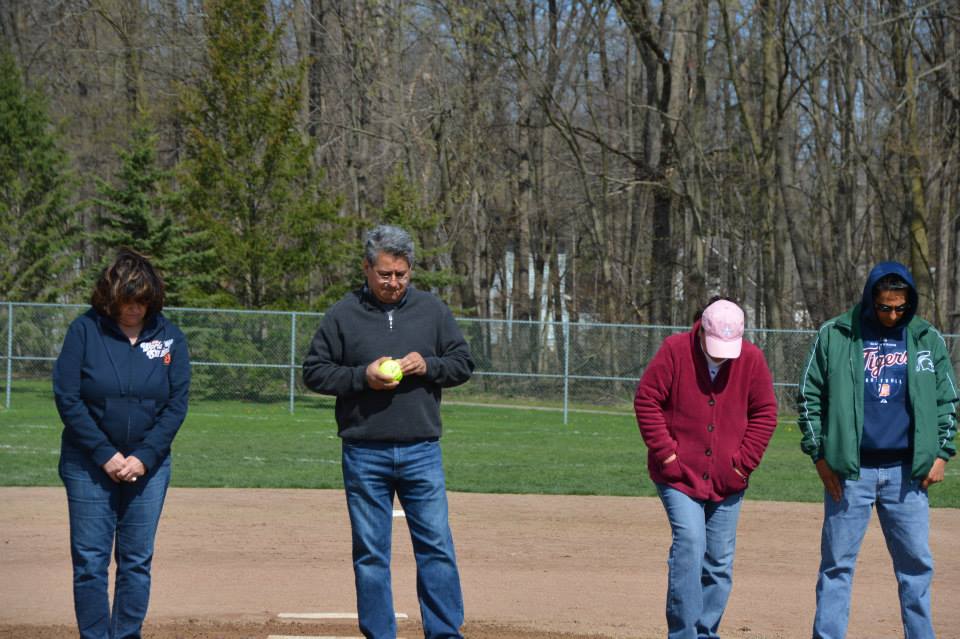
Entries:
{"x":146,"y":456}
{"x":432,"y":367}
{"x":360,"y":379}
{"x":103,"y":454}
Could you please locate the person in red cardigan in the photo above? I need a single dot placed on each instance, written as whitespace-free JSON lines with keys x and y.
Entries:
{"x":706,"y":409}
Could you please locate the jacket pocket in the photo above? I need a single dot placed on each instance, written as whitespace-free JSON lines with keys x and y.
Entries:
{"x":126,"y":420}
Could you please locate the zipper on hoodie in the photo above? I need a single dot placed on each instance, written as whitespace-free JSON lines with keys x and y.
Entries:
{"x":390,"y":319}
{"x":130,"y":355}
{"x":116,"y":371}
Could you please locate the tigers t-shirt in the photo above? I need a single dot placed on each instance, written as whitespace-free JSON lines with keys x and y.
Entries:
{"x":886,"y":412}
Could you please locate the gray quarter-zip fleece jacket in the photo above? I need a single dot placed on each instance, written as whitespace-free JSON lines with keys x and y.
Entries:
{"x":356,"y":331}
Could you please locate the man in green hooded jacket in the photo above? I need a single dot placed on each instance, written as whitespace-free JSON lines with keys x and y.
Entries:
{"x":877,"y":411}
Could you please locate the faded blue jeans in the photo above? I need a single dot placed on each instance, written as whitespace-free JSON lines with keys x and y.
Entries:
{"x":372,"y":473}
{"x":700,"y":563}
{"x":108,"y":517}
{"x":904,"y":514}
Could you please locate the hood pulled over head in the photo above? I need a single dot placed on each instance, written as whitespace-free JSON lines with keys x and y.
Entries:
{"x":880,"y":271}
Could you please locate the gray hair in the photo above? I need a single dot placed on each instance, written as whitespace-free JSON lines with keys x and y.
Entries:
{"x":392,"y":240}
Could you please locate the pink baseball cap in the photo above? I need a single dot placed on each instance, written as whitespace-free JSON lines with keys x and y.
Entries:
{"x":722,"y":324}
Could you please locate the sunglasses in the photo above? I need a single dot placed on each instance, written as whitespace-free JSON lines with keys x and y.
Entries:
{"x":883,"y":308}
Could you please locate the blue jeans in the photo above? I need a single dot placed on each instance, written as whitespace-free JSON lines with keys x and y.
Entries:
{"x":700,"y":563}
{"x":904,"y":514}
{"x":372,"y":473}
{"x":104,"y":517}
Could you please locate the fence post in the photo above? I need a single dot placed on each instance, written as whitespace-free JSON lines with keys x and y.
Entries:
{"x":9,"y":349}
{"x":293,"y":356}
{"x":566,"y":370}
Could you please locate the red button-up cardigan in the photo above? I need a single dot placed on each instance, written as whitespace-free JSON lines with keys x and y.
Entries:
{"x":714,"y":427}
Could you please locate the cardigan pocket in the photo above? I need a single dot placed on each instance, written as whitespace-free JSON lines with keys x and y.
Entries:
{"x":672,"y":472}
{"x":728,"y":481}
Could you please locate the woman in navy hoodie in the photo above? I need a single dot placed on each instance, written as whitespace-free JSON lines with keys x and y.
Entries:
{"x":121,"y":384}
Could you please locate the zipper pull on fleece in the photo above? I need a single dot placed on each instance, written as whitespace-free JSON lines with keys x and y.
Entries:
{"x":390,"y":318}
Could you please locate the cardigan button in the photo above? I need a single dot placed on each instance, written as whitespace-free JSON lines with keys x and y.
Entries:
{"x":708,"y":452}
{"x":711,"y":402}
{"x":706,"y":475}
{"x":709,"y":428}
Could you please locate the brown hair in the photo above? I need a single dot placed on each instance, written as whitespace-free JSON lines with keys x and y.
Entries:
{"x":129,"y":278}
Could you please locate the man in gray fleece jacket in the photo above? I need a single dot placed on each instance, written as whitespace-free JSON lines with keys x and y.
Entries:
{"x":390,"y":429}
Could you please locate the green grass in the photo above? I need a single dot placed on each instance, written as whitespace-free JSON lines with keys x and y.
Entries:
{"x":486,"y":449}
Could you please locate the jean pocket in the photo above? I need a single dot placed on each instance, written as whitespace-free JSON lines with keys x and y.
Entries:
{"x":83,"y":478}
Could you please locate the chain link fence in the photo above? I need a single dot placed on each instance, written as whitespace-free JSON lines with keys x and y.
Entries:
{"x":255,"y":356}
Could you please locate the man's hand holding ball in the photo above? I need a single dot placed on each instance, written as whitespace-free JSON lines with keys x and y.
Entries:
{"x":377,"y":379}
{"x":391,"y":368}
{"x":385,"y":373}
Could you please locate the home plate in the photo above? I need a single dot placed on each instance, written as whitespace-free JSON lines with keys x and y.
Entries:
{"x":399,"y":513}
{"x":329,"y":615}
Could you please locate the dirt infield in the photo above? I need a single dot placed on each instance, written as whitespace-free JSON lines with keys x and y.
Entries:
{"x":533,"y":567}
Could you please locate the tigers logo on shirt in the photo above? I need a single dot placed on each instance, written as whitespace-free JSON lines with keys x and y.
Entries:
{"x":157,"y":348}
{"x":884,"y":371}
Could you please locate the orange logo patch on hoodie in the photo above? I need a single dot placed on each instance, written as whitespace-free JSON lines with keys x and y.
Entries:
{"x":167,"y":359}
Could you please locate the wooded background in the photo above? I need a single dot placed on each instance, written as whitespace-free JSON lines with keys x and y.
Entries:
{"x":615,"y":161}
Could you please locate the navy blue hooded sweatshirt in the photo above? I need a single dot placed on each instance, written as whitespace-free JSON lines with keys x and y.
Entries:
{"x":114,"y":396}
{"x":887,"y":415}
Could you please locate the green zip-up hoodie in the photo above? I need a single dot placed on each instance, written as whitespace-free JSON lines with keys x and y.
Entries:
{"x":830,"y":399}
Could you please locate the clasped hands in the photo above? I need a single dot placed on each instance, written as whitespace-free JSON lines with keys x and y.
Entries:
{"x":411,"y":364}
{"x":124,"y":469}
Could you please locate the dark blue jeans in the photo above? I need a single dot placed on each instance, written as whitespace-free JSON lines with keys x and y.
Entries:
{"x":104,"y":517}
{"x":372,"y":474}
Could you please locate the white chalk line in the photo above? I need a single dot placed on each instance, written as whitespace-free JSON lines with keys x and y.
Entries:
{"x":329,"y":615}
{"x":323,"y":615}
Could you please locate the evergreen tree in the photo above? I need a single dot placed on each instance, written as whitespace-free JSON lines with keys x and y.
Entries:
{"x":248,"y":172}
{"x":402,"y":207}
{"x":140,"y":212}
{"x":36,"y":221}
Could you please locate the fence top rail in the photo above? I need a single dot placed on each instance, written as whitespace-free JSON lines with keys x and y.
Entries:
{"x":468,"y":320}
{"x":189,"y":309}
{"x":659,"y":327}
{"x":498,"y":320}
{"x":47,"y":304}
{"x":244,"y":311}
